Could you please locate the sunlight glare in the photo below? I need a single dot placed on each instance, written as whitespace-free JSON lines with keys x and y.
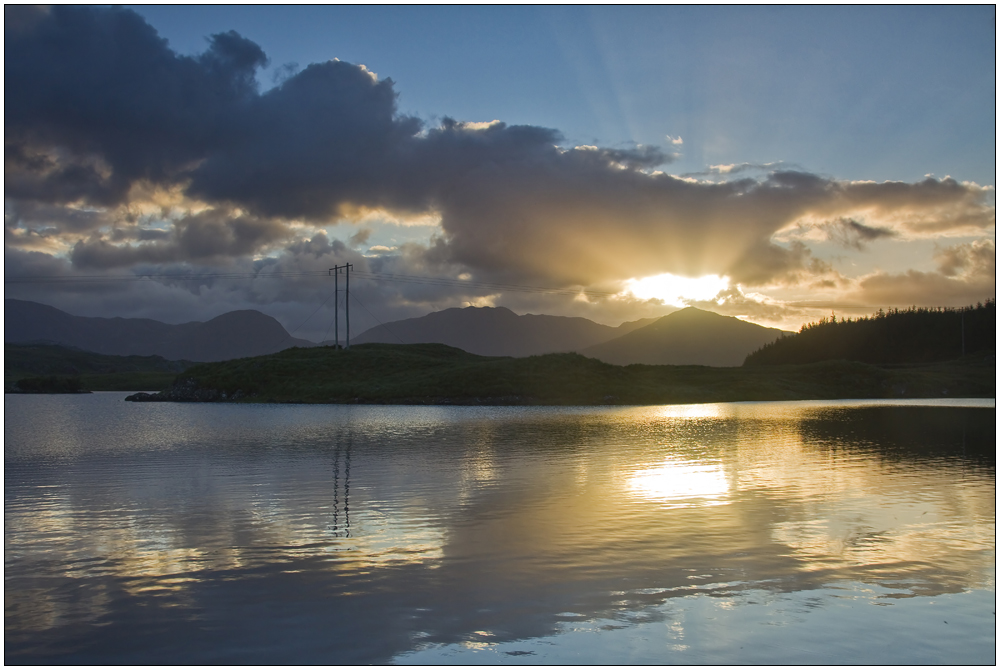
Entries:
{"x":675,"y":290}
{"x":681,"y":483}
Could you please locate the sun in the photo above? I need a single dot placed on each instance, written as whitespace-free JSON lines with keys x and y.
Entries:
{"x":676,"y":290}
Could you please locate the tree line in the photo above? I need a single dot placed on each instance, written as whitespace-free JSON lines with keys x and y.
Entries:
{"x":914,"y":335}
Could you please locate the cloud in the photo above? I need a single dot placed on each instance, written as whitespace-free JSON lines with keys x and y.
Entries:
{"x":119,"y":152}
{"x":326,"y":138}
{"x":360,"y":237}
{"x":924,"y":288}
{"x":977,"y":258}
{"x":737,"y":168}
{"x":213,"y":236}
{"x":98,"y":101}
{"x":640,"y":156}
{"x":753,"y":307}
{"x":966,"y":274}
{"x":34,"y":216}
{"x":854,"y":235}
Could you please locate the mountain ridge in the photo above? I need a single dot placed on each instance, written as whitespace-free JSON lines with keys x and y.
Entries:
{"x":689,"y":336}
{"x":497,"y":331}
{"x":236,"y":334}
{"x":685,"y":337}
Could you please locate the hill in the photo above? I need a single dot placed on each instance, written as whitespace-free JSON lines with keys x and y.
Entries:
{"x":232,"y":335}
{"x":898,"y":336}
{"x":90,"y":371}
{"x":497,"y":331}
{"x":438,"y":374}
{"x":690,"y":336}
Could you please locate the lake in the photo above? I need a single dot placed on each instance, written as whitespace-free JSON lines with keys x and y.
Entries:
{"x":834,"y":532}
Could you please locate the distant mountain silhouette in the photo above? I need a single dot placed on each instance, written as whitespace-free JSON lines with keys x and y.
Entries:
{"x":690,"y":336}
{"x":497,"y":331}
{"x":232,"y":335}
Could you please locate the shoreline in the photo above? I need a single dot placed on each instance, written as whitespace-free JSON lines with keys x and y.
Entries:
{"x":440,"y":375}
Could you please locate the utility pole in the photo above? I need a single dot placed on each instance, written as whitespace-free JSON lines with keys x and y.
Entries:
{"x":347,"y":308}
{"x":335,"y":271}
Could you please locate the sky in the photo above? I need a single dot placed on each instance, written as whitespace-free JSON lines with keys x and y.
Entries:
{"x":775,"y":164}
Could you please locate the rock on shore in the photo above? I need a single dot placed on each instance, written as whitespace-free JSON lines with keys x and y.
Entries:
{"x":185,"y":390}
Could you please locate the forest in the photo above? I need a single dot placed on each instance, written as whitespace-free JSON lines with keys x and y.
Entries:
{"x":896,"y":336}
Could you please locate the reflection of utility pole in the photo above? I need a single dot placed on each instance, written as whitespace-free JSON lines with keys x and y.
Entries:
{"x":347,"y":489}
{"x":335,"y":271}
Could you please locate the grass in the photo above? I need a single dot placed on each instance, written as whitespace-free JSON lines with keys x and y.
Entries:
{"x":438,"y":374}
{"x":95,"y":372}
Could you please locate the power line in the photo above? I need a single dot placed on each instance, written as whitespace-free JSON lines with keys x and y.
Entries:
{"x":379,"y":322}
{"x":292,"y":334}
{"x":385,"y":277}
{"x":63,"y":279}
{"x":444,"y":281}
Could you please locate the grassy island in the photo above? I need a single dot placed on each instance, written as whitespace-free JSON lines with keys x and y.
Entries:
{"x":438,"y":374}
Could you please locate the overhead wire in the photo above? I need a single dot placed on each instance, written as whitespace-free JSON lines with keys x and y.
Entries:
{"x":292,"y":334}
{"x":379,"y":322}
{"x":360,"y":274}
{"x":384,"y":277}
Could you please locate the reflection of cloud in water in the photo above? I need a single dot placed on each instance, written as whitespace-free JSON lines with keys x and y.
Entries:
{"x":680,"y":484}
{"x":476,"y":527}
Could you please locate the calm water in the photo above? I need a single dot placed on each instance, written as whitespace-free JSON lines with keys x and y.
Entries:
{"x":815,"y":532}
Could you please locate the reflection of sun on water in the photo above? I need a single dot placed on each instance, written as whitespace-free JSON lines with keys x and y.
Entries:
{"x":701,"y":411}
{"x":675,"y":290}
{"x":681,"y":484}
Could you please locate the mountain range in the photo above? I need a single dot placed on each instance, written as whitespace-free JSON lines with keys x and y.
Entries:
{"x":232,"y":335}
{"x":497,"y":331}
{"x":686,"y":337}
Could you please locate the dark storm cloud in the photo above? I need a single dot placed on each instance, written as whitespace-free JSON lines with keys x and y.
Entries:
{"x":327,"y":137}
{"x":97,"y":100}
{"x":119,"y":106}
